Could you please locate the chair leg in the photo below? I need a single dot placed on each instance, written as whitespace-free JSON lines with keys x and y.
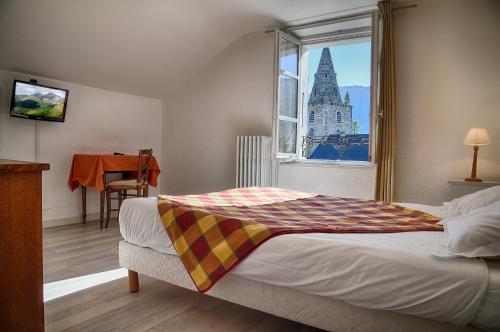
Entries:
{"x":139,"y":192}
{"x":120,"y":199}
{"x":102,"y":199}
{"x":108,"y":207}
{"x":145,"y":191}
{"x":84,"y":204}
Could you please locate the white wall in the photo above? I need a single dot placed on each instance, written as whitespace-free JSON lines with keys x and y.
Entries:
{"x":448,"y":80}
{"x":231,"y":96}
{"x":333,"y":180}
{"x":97,"y":121}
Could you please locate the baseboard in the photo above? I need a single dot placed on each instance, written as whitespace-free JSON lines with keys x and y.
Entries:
{"x":69,"y":220}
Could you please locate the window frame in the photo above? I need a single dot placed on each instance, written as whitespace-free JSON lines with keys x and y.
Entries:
{"x":302,"y":118}
{"x":277,"y":117}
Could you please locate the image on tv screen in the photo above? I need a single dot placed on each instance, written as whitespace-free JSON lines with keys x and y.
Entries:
{"x":39,"y":102}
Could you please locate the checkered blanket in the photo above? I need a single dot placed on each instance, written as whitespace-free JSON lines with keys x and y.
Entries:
{"x":214,"y":232}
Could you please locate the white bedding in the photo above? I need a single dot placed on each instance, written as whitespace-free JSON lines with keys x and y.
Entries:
{"x":394,"y":271}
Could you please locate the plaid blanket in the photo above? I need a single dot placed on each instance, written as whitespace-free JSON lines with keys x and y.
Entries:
{"x":214,"y":232}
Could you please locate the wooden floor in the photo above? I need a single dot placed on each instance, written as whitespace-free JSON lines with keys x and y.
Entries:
{"x":78,"y":250}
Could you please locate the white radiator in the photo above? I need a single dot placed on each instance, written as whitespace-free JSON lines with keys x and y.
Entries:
{"x":255,"y":166}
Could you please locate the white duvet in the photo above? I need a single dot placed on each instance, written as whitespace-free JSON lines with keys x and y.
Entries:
{"x":391,"y":271}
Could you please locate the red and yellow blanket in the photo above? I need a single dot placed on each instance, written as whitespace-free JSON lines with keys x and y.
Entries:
{"x":213,"y":232}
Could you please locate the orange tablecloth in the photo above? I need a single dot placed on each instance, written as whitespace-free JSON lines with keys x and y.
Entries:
{"x":88,"y":169}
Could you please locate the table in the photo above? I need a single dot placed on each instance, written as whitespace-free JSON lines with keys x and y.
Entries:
{"x":89,"y":171}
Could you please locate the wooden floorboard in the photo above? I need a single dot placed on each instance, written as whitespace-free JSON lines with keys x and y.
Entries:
{"x":78,"y":250}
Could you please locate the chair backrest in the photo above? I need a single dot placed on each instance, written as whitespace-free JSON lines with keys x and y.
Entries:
{"x":144,"y":165}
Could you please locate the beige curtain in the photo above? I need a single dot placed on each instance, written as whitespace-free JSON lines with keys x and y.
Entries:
{"x":386,"y":136}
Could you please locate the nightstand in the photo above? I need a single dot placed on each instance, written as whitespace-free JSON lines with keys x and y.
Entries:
{"x":460,"y":188}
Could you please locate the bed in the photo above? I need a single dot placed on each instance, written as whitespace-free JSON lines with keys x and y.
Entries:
{"x":338,"y":282}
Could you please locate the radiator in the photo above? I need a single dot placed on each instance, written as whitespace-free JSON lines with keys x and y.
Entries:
{"x":255,"y":166}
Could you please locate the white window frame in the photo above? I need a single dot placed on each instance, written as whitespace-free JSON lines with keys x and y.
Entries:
{"x":276,"y":116}
{"x":302,"y":119}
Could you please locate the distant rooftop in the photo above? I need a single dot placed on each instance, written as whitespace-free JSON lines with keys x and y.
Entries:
{"x":358,"y":152}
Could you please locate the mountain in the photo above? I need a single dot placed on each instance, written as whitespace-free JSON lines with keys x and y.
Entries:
{"x":27,"y":103}
{"x":27,"y":97}
{"x":52,"y":98}
{"x":360,"y":101}
{"x":50,"y":95}
{"x":39,"y":104}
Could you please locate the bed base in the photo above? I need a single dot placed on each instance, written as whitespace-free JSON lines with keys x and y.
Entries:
{"x":313,"y":310}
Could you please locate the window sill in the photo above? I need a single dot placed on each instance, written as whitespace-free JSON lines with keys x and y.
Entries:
{"x":328,"y":163}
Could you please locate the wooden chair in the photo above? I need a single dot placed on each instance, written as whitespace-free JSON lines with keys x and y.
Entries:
{"x":121,"y":187}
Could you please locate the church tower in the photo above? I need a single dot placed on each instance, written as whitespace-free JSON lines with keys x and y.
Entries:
{"x":325,"y":88}
{"x":327,"y":114}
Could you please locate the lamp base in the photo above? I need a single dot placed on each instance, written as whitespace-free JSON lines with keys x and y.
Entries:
{"x":473,"y":179}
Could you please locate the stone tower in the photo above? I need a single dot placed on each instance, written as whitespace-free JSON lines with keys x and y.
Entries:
{"x":327,"y":114}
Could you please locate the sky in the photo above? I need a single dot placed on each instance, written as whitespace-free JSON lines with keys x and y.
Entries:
{"x":28,"y":89}
{"x":351,"y":63}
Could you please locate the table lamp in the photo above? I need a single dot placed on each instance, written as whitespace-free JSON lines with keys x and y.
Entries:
{"x":476,"y":137}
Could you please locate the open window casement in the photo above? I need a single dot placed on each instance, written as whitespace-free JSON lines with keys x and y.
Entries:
{"x":287,"y":96}
{"x":310,"y":121}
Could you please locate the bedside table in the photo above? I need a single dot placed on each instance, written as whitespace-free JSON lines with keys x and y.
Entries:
{"x":460,"y":188}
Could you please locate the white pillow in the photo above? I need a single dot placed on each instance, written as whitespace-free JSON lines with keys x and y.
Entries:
{"x":471,"y":202}
{"x":474,"y":234}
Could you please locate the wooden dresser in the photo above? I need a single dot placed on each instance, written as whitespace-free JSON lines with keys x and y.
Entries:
{"x":21,"y":279}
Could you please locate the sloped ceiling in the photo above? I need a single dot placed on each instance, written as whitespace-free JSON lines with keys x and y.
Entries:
{"x":142,"y":47}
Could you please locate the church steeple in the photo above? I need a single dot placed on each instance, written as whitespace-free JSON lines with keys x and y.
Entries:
{"x":347,"y":99}
{"x":325,"y":88}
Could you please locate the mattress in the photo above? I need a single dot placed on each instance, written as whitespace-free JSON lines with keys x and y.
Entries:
{"x":395,"y":271}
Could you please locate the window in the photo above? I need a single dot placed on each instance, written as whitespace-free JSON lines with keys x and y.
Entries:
{"x":325,"y":91}
{"x":288,"y":91}
{"x":311,"y":117}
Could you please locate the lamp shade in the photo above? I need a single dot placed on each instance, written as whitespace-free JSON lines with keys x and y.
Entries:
{"x":477,"y":136}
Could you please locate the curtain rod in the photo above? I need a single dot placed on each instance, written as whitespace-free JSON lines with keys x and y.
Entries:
{"x":413,"y":5}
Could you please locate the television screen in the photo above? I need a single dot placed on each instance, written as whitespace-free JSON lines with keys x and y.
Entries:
{"x":35,"y":101}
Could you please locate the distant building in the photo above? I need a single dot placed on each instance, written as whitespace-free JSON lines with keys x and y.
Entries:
{"x":357,"y":150}
{"x":327,"y":113}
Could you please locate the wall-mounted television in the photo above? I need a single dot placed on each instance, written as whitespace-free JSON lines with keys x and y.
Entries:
{"x":31,"y":100}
